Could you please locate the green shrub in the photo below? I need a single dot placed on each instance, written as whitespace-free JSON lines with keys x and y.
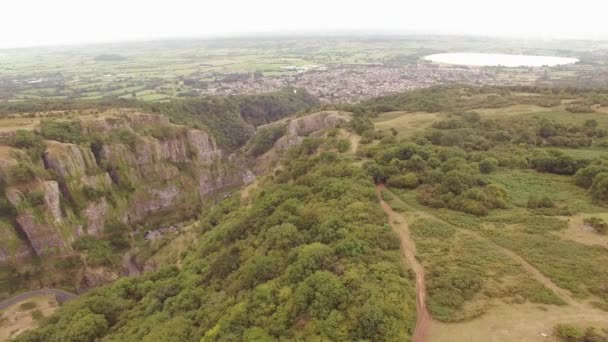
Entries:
{"x":92,"y":194}
{"x":21,"y":172}
{"x":343,"y":145}
{"x":599,"y":188}
{"x":98,"y":252}
{"x":35,"y":198}
{"x":488,"y":165}
{"x":407,"y":181}
{"x":264,"y":139}
{"x":568,"y":332}
{"x":64,"y":131}
{"x":125,"y":136}
{"x":535,"y":202}
{"x":29,"y":141}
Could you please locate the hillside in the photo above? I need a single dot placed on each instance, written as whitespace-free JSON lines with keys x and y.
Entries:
{"x":83,"y":184}
{"x":450,"y":213}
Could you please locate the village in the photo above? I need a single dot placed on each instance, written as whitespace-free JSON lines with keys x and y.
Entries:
{"x":348,"y":83}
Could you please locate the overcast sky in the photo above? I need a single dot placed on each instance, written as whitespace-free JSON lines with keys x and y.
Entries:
{"x":48,"y":22}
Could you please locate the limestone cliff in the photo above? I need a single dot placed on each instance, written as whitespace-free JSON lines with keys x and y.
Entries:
{"x":299,"y":128}
{"x":296,"y":130}
{"x":138,"y":168}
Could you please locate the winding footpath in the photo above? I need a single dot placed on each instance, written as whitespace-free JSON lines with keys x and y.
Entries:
{"x":408,"y":249}
{"x":62,"y":297}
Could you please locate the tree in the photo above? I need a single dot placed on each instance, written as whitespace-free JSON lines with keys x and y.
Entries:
{"x":82,"y":326}
{"x":320,"y":293}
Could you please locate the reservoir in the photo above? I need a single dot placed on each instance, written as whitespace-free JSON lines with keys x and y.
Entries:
{"x":498,"y":59}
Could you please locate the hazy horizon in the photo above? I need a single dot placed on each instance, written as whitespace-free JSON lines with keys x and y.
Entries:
{"x":33,"y":23}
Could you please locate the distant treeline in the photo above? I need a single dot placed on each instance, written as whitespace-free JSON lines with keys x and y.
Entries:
{"x":460,"y":98}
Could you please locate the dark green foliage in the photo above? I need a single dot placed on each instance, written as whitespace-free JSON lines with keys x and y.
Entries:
{"x":264,"y":139}
{"x":29,"y":141}
{"x":309,"y":257}
{"x":35,"y":198}
{"x":319,"y":294}
{"x":407,"y":181}
{"x":343,"y":145}
{"x":265,"y":108}
{"x":488,"y":165}
{"x":231,"y":119}
{"x":124,"y":136}
{"x":63,"y":131}
{"x":584,"y":176}
{"x":98,"y":252}
{"x":599,"y":187}
{"x":361,"y":124}
{"x":21,"y":172}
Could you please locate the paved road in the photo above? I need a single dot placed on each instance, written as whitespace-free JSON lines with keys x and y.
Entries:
{"x":62,"y":296}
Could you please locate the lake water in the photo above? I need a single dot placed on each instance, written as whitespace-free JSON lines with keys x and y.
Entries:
{"x":498,"y":59}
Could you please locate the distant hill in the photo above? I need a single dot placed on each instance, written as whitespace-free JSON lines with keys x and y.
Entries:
{"x":110,"y":58}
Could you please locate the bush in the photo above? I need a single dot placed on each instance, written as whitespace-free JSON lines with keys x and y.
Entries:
{"x":67,"y":132}
{"x":28,"y":141}
{"x":597,"y":223}
{"x":599,"y":188}
{"x":92,"y":194}
{"x":21,"y":173}
{"x":568,"y":332}
{"x":99,"y":252}
{"x":343,"y":145}
{"x":265,"y":139}
{"x":35,"y":198}
{"x":579,"y":108}
{"x":407,"y":181}
{"x":488,"y":165}
{"x":535,"y":202}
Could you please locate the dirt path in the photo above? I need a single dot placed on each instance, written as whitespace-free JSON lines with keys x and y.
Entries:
{"x":408,"y":248}
{"x":564,"y":294}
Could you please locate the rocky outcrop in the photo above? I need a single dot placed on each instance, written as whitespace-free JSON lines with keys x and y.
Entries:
{"x":51,"y":199}
{"x":146,"y":119}
{"x":68,"y":160}
{"x":298,"y":129}
{"x":145,"y":166}
{"x":295,"y":131}
{"x":152,"y":201}
{"x":205,"y":147}
{"x":44,"y":238}
{"x":94,"y":277}
{"x":95,"y":213}
{"x":12,"y":247}
{"x":102,"y":124}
